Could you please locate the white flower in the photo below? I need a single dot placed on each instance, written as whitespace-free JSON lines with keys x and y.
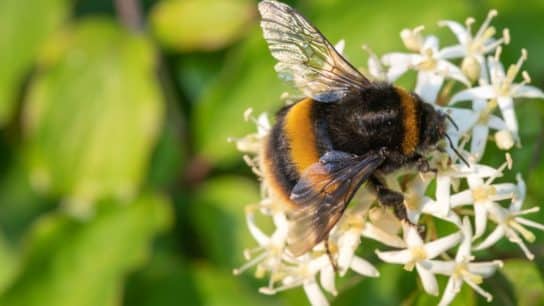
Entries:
{"x":446,"y":176}
{"x":504,"y":139}
{"x":430,"y":63}
{"x":303,"y":273}
{"x":354,"y":224}
{"x":474,"y":48}
{"x":482,"y":195}
{"x":476,"y":123}
{"x":418,"y":253}
{"x":510,"y":222}
{"x":376,"y":69}
{"x":270,"y":249}
{"x":460,"y":190}
{"x":252,"y":143}
{"x":462,"y":269}
{"x":502,"y":90}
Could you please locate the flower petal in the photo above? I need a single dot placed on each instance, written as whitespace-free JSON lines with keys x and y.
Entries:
{"x":480,"y":218}
{"x":476,"y":93}
{"x":442,"y":267}
{"x":456,"y":51}
{"x":451,"y":71}
{"x":463,"y":253}
{"x":527,"y":91}
{"x":327,"y":278}
{"x":439,"y":246}
{"x":431,"y":42}
{"x":496,"y":70}
{"x":462,"y":34}
{"x":397,"y":59}
{"x":398,"y":257}
{"x":411,"y":236}
{"x":428,"y":85}
{"x":314,"y":294}
{"x":443,"y":184}
{"x":506,"y":104}
{"x":490,"y":240}
{"x":452,"y":289}
{"x":496,"y":123}
{"x":254,"y":230}
{"x":340,"y":46}
{"x":373,"y":232}
{"x":484,"y":269}
{"x":263,"y":125}
{"x":479,"y":140}
{"x":428,"y":280}
{"x":461,"y":198}
{"x":363,"y":267}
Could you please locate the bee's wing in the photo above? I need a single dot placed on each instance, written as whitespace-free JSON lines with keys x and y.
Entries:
{"x":305,"y":57}
{"x":322,"y":194}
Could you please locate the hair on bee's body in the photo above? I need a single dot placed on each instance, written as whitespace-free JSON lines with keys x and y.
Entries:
{"x":347,"y":131}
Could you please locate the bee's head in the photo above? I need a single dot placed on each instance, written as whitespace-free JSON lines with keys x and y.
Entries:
{"x":433,"y":127}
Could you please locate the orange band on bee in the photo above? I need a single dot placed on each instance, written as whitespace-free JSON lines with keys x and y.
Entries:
{"x":299,"y":130}
{"x":409,"y":122}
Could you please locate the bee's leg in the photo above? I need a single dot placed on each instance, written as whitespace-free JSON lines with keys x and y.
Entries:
{"x":391,"y":198}
{"x":423,"y":165}
{"x":329,"y":254}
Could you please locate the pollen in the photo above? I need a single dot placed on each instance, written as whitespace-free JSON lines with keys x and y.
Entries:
{"x":483,"y":193}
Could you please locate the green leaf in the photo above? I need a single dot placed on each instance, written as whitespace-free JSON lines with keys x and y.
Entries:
{"x":8,"y":263}
{"x":247,"y":80}
{"x":165,"y":281}
{"x":221,"y":288}
{"x":217,"y":213}
{"x":466,"y":297}
{"x":93,"y":114}
{"x":501,"y":288}
{"x":19,"y":204}
{"x":189,"y":25}
{"x":526,"y":280}
{"x":392,"y":287}
{"x":82,"y":263}
{"x":168,"y":158}
{"x":24,"y":26}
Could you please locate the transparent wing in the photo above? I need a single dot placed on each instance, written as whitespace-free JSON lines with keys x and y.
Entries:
{"x":322,"y":194}
{"x":305,"y":58}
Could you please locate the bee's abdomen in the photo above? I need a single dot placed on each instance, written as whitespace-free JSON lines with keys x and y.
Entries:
{"x":295,"y":143}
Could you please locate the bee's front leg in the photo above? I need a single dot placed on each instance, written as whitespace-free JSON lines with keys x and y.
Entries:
{"x":422,"y":165}
{"x":393,"y":199}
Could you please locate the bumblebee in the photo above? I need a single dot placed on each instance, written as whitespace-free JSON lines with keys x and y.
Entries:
{"x":346,"y":132}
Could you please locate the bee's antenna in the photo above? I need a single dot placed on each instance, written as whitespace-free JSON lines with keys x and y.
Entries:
{"x":456,"y":152}
{"x":451,"y":120}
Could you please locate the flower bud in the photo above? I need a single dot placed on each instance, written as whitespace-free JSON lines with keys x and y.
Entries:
{"x":412,"y":39}
{"x":471,"y":68}
{"x":504,"y":139}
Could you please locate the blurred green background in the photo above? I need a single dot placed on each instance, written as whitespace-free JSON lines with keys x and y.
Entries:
{"x":117,"y":184}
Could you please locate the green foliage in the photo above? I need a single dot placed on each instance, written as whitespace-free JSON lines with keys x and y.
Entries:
{"x":100,"y":124}
{"x":82,"y":262}
{"x":215,"y":213}
{"x":24,"y":26}
{"x":528,"y":283}
{"x":186,"y":25}
{"x":92,"y":113}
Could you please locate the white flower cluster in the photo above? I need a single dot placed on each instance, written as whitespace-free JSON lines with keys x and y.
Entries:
{"x":465,"y":195}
